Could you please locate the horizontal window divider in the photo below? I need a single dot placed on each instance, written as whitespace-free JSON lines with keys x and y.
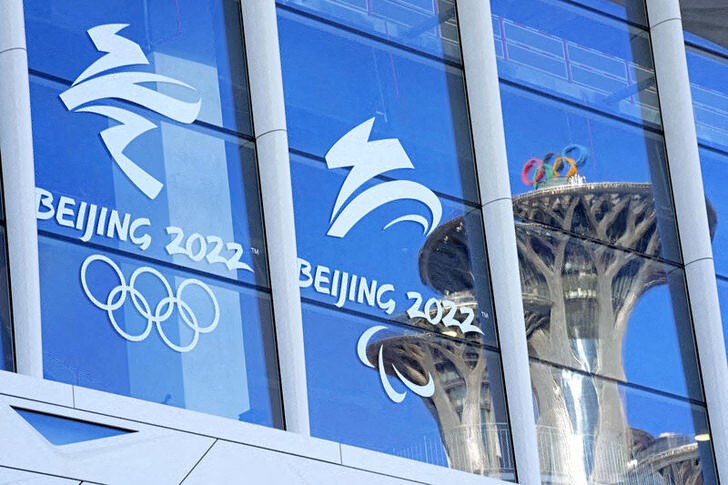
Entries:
{"x":657,"y":129}
{"x":355,"y":313}
{"x":369,"y":35}
{"x":669,"y":262}
{"x":718,"y":151}
{"x":151,"y":260}
{"x":706,"y":49}
{"x":631,"y":385}
{"x":602,"y":13}
{"x":311,"y":156}
{"x":199,"y":123}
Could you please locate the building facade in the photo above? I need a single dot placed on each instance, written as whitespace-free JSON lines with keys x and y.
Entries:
{"x":372,"y":241}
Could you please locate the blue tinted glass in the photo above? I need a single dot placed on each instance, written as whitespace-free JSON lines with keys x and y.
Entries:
{"x":426,"y":25}
{"x":715,"y":171}
{"x":386,"y":272}
{"x":606,"y":311}
{"x":64,"y":431}
{"x":631,"y":10}
{"x":335,"y":81}
{"x":7,"y":361}
{"x":206,"y":216}
{"x":610,"y":182}
{"x":159,"y":334}
{"x":462,"y":424}
{"x":596,"y":431}
{"x":195,"y":42}
{"x":710,"y":96}
{"x":723,"y":296}
{"x":577,"y":54}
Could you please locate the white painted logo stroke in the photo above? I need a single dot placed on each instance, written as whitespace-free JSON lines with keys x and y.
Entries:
{"x":91,"y":87}
{"x":427,"y":390}
{"x":367,"y":160}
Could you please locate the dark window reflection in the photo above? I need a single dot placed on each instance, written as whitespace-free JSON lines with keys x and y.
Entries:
{"x":7,"y":360}
{"x":592,"y":430}
{"x":355,"y":378}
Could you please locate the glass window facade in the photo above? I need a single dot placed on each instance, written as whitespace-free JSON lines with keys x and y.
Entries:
{"x":156,"y":273}
{"x":154,"y":278}
{"x":401,"y":347}
{"x":607,"y":318}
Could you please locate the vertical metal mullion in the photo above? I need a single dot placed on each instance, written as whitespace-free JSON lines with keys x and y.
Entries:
{"x":16,"y":143}
{"x":269,"y":119}
{"x":684,"y":167}
{"x":481,"y":76}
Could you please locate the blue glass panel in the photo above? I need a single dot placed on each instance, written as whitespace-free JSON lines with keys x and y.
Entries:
{"x":631,"y":10}
{"x":197,"y":42}
{"x":715,"y":171}
{"x":723,"y":296}
{"x":426,"y":25}
{"x":334,"y":81}
{"x":619,"y":191}
{"x":116,"y":324}
{"x":607,"y":312}
{"x":590,"y":429}
{"x":462,"y":424}
{"x":710,"y":96}
{"x":7,"y":361}
{"x":578,"y":54}
{"x":63,"y":431}
{"x":209,"y":190}
{"x":384,"y":271}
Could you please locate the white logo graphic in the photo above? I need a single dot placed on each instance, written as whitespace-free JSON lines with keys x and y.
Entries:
{"x":90,"y":87}
{"x":369,"y":159}
{"x":361,"y":349}
{"x":154,"y":315}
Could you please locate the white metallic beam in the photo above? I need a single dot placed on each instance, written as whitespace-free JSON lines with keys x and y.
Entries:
{"x":684,"y":165}
{"x":269,"y":119}
{"x":481,"y":76}
{"x":16,"y":146}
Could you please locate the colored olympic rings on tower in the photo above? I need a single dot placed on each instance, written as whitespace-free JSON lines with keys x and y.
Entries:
{"x":537,"y":171}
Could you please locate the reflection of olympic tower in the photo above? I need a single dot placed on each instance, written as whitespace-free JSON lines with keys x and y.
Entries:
{"x":578,"y":297}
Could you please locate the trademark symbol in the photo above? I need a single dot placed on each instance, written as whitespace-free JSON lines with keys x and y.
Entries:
{"x":255,"y":251}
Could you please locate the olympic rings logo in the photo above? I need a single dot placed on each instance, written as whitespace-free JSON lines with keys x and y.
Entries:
{"x":156,"y":316}
{"x":538,"y":171}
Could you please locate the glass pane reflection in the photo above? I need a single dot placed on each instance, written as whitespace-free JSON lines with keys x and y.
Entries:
{"x":710,"y":95}
{"x":197,"y":42}
{"x":588,"y":174}
{"x":429,"y":25}
{"x":385,"y":271}
{"x":209,"y":347}
{"x":209,"y":193}
{"x":335,"y":81}
{"x":596,"y":431}
{"x":577,"y":54}
{"x":605,"y":311}
{"x":462,"y":424}
{"x":715,"y":174}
